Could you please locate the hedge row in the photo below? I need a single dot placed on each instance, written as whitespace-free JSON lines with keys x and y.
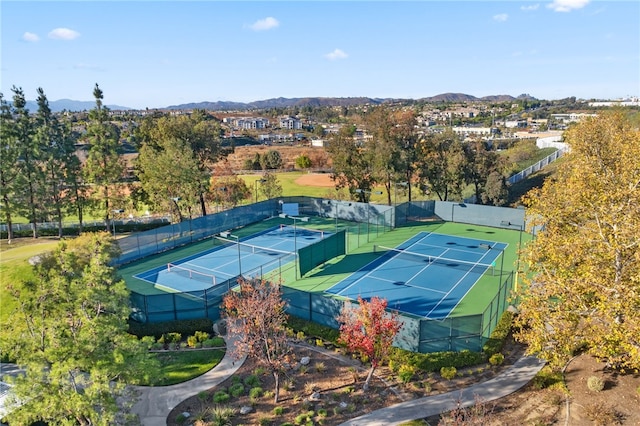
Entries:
{"x":495,"y":343}
{"x":183,"y":327}
{"x":75,"y":231}
{"x":434,"y":361}
{"x":313,"y":329}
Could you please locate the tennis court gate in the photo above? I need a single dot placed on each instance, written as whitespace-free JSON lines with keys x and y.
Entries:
{"x":468,"y":332}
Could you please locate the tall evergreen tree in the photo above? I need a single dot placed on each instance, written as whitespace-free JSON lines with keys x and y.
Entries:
{"x":103,"y":167}
{"x":9,"y":167}
{"x":59,"y":162}
{"x":30,"y":178}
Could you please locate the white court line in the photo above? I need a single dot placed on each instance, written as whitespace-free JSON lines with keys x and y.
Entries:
{"x":456,"y":285}
{"x":214,"y":271}
{"x":406,"y":283}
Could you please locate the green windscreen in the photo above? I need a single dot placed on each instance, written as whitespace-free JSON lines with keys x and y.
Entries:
{"x":318,"y":253}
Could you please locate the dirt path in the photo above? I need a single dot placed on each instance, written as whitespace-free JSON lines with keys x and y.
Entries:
{"x":316,"y":179}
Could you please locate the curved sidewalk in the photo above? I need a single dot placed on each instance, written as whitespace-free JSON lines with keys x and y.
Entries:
{"x":156,"y":402}
{"x":512,"y":379}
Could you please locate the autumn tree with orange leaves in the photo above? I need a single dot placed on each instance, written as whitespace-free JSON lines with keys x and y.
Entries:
{"x":369,"y":329}
{"x":256,"y":315}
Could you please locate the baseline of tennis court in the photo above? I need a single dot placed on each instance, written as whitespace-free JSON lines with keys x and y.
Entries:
{"x":262,"y":252}
{"x":426,"y":276}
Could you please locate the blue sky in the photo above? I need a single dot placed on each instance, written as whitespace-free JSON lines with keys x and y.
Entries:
{"x":159,"y":53}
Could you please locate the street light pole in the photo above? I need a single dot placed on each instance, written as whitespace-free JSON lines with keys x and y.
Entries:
{"x":113,"y":221}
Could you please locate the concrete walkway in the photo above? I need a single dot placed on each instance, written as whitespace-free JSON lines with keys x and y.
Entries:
{"x":512,"y":379}
{"x":155,"y":403}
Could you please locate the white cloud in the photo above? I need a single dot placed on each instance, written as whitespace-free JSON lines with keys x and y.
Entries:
{"x":265,"y":24}
{"x":530,"y":7}
{"x":336,"y":54}
{"x":30,"y":37}
{"x":567,"y":5}
{"x":63,"y":34}
{"x":501,"y":17}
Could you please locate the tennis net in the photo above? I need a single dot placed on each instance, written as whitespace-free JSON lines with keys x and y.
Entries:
{"x":191,"y":273}
{"x":253,"y":249}
{"x":302,"y":230}
{"x":475,"y":267}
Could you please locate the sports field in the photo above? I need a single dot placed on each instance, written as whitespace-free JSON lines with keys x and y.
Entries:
{"x":469,"y":289}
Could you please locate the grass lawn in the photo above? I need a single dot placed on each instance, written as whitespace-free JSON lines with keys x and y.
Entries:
{"x":182,"y":365}
{"x":14,"y":267}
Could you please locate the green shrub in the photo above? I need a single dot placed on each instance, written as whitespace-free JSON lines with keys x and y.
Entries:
{"x":157,"y":346}
{"x":304,"y":418}
{"x":448,"y":372}
{"x":259,"y":371}
{"x":252,"y":380}
{"x":192,"y":341}
{"x":215,"y":342}
{"x":433,"y":362}
{"x":203,"y":396}
{"x":236,"y":389}
{"x":181,"y":418}
{"x":255,"y":393}
{"x":496,"y":359}
{"x":322,"y":413}
{"x":548,"y":378}
{"x":309,"y":328}
{"x":595,"y":384}
{"x":495,"y":343}
{"x":278,"y":411}
{"x":184,"y":327}
{"x":221,"y":397}
{"x":201,"y":336}
{"x":406,"y":373}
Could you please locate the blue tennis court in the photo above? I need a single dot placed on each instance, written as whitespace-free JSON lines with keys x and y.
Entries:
{"x":250,"y":256}
{"x":426,"y":276}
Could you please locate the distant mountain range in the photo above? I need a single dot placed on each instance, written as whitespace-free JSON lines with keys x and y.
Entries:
{"x":74,"y":106}
{"x":71,"y":105}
